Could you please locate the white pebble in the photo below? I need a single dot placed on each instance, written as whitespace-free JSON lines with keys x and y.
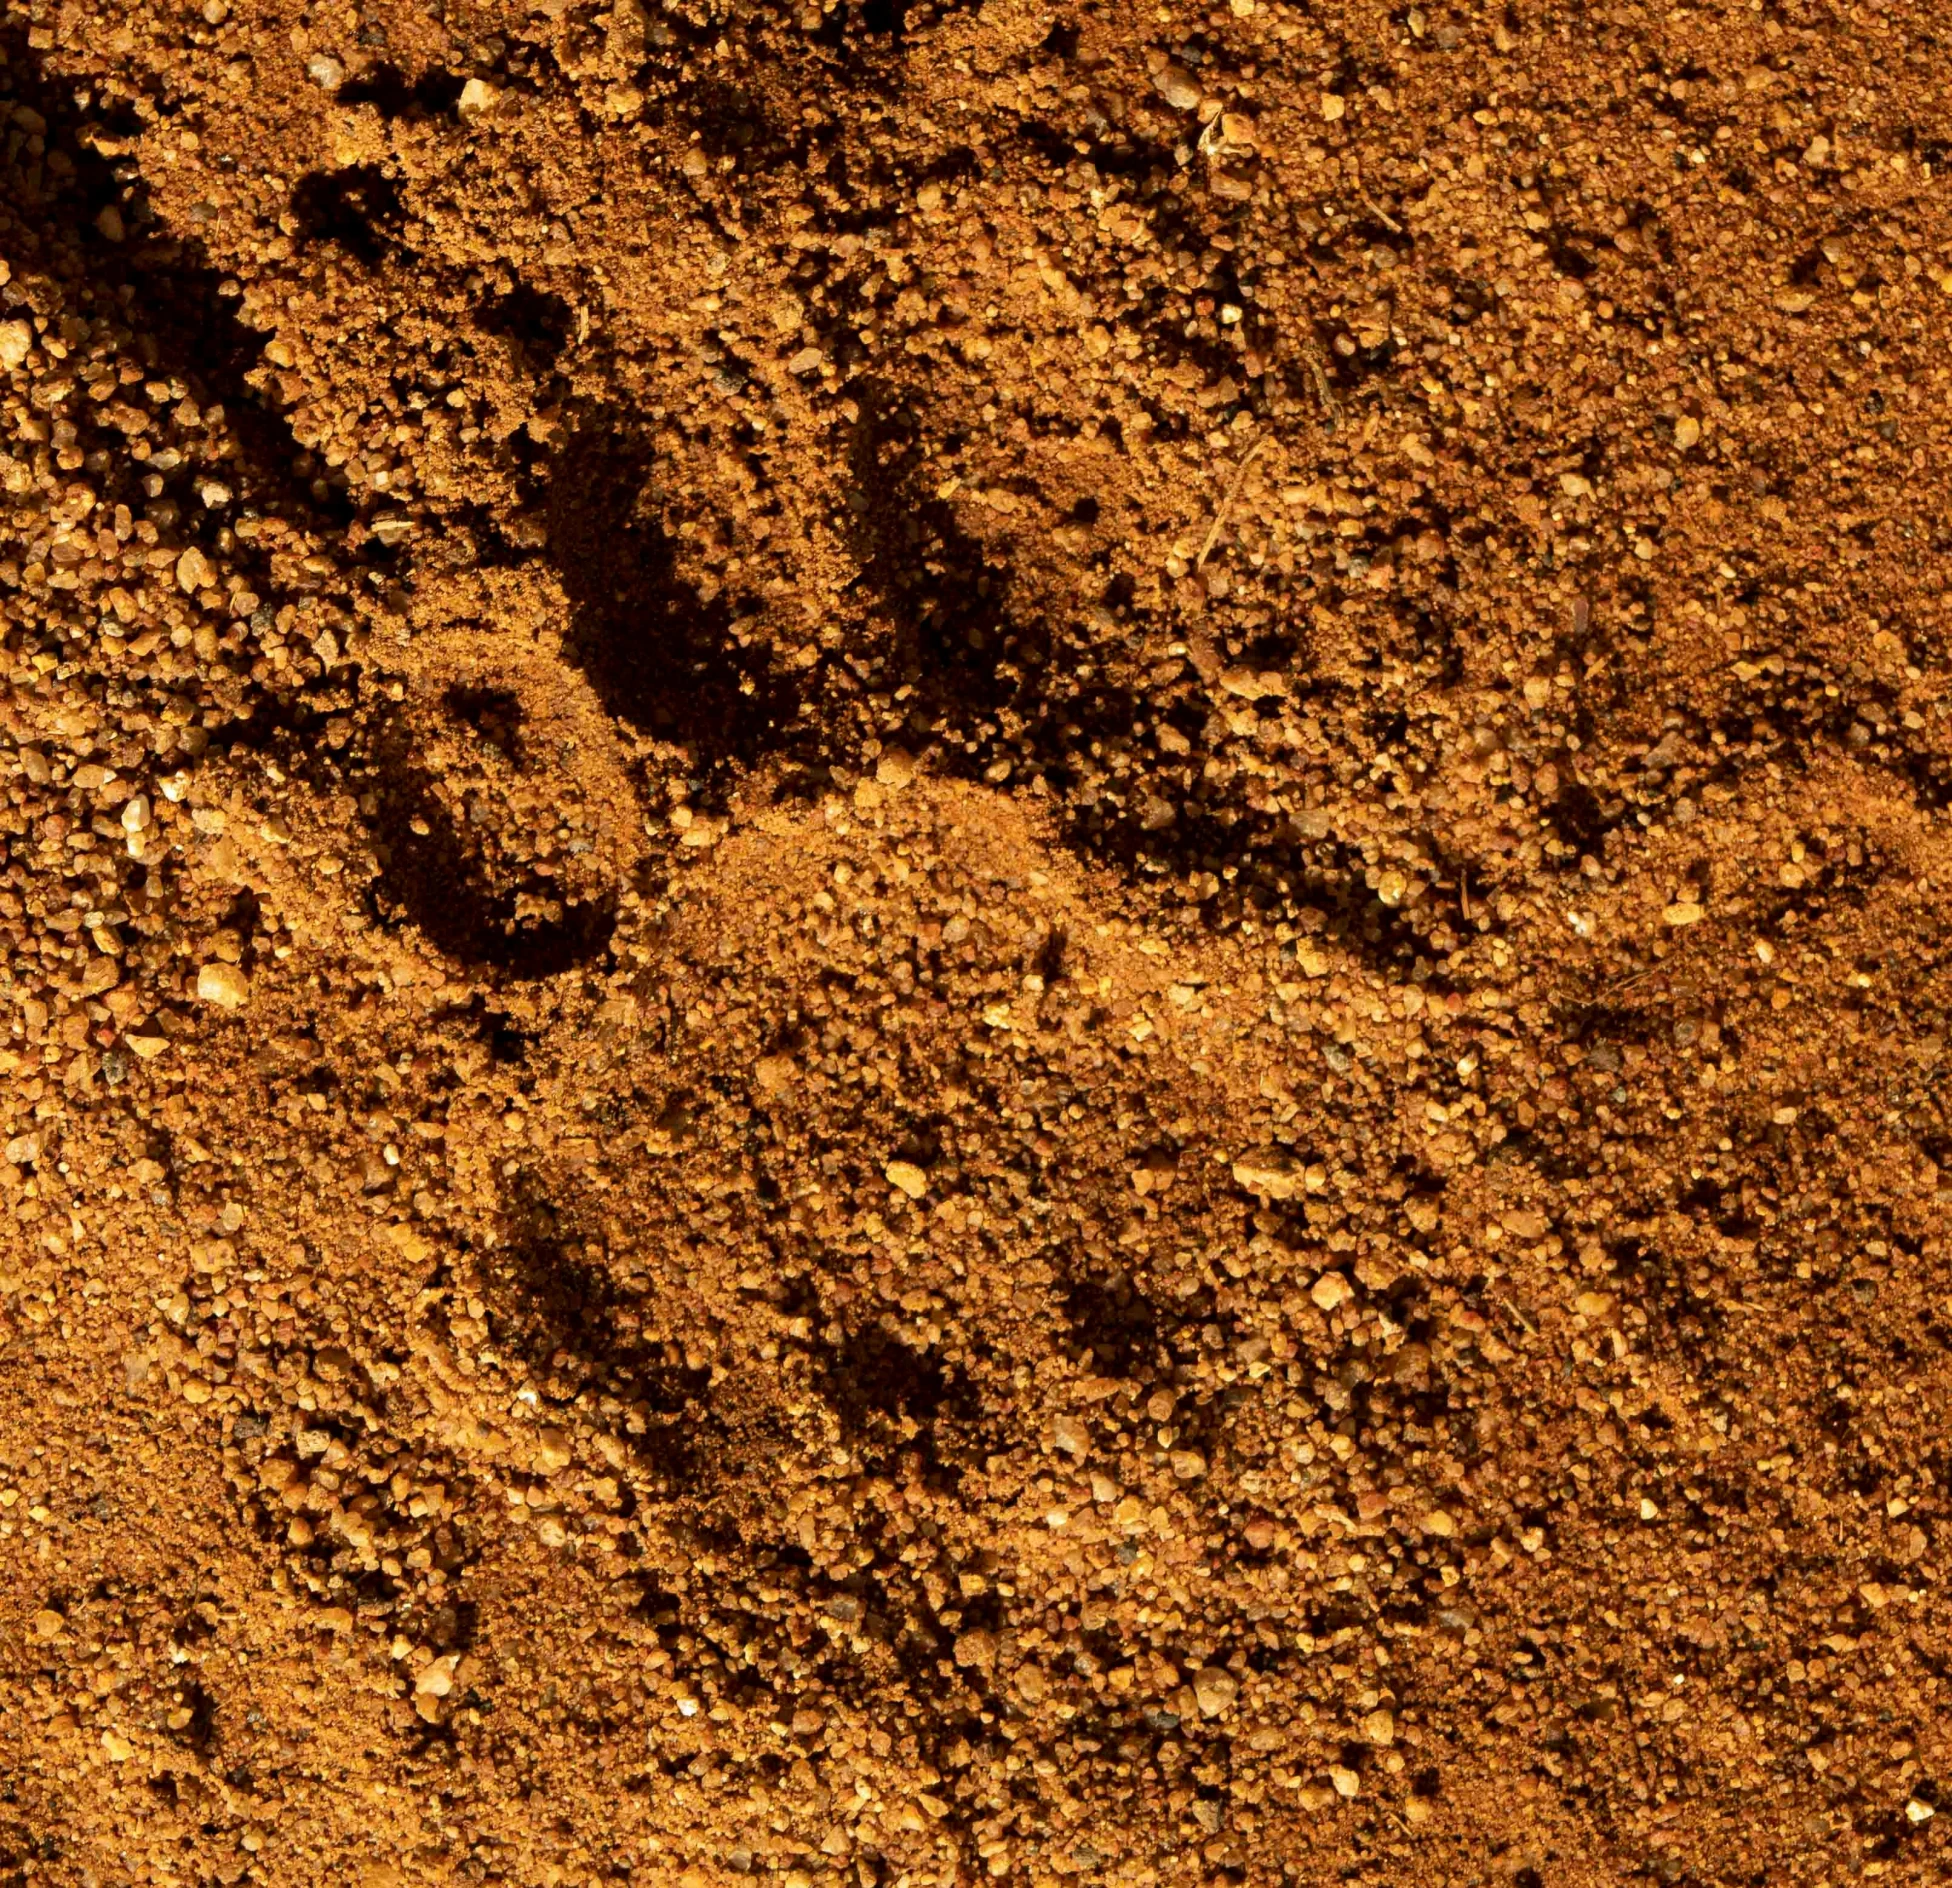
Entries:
{"x":908,"y":1177}
{"x":193,"y":571}
{"x":224,"y":985}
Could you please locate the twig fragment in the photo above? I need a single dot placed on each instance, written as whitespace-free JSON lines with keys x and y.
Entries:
{"x":1323,"y":391}
{"x":1375,"y":209}
{"x":1226,"y":503}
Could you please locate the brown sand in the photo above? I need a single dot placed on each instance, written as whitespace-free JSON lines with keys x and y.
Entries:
{"x":954,"y":942}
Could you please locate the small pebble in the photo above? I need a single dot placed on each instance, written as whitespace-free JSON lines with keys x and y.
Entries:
{"x":1272,"y":1174}
{"x":1178,"y":88}
{"x":224,"y":985}
{"x":193,"y":571}
{"x":908,"y":1177}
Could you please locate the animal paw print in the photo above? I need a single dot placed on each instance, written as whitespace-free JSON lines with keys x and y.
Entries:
{"x":507,"y":828}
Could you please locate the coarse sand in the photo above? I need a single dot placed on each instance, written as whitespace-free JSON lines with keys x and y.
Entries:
{"x":957,"y":943}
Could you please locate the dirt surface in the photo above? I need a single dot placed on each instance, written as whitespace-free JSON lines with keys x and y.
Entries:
{"x":954,"y":942}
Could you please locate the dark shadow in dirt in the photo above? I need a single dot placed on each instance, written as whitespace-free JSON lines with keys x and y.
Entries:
{"x":1581,"y":819}
{"x":868,"y":26}
{"x":1119,"y":1324}
{"x":538,"y":324}
{"x":956,"y":642}
{"x":890,"y":1398}
{"x":433,"y":95}
{"x":900,"y":20}
{"x":659,"y":656}
{"x":200,"y":1733}
{"x":872,"y":1373}
{"x":432,"y":878}
{"x":578,"y":1328}
{"x":358,"y":209}
{"x":733,"y":119}
{"x":993,"y":682}
{"x":495,"y":715}
{"x":52,"y":209}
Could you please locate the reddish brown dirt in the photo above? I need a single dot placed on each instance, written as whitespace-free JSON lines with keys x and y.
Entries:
{"x":954,"y":943}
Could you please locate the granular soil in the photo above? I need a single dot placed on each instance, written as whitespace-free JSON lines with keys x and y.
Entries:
{"x":955,"y":943}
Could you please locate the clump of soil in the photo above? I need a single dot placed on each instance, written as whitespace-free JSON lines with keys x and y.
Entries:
{"x":954,"y":943}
